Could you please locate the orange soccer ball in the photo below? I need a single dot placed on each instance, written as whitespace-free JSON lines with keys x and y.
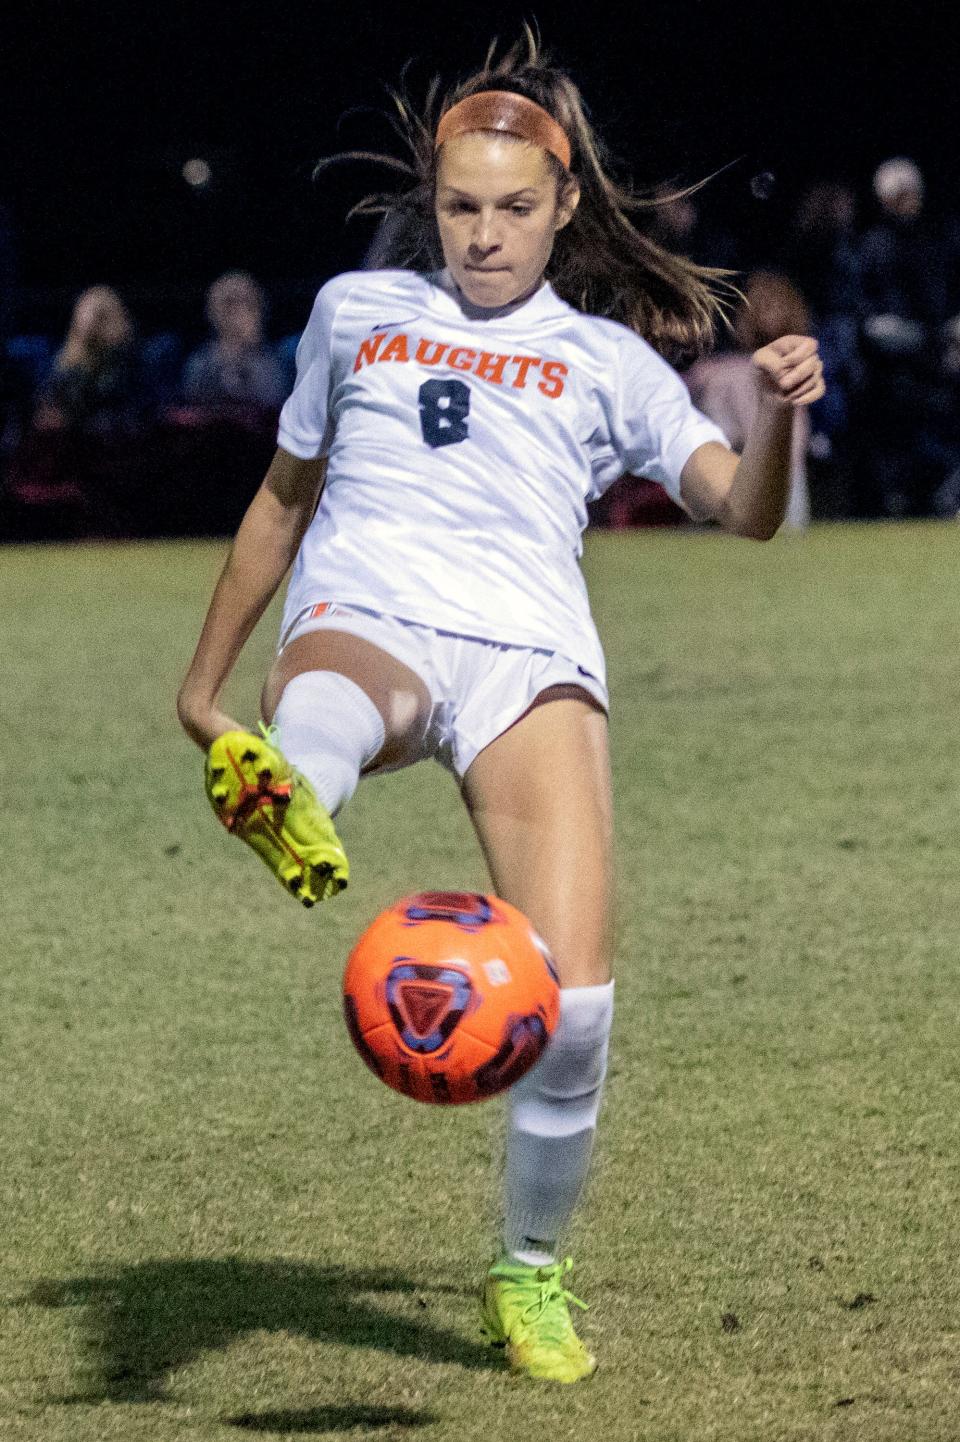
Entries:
{"x":450,"y":996}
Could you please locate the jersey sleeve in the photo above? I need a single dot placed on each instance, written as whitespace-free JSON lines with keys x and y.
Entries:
{"x":656,"y":427}
{"x":306,"y":427}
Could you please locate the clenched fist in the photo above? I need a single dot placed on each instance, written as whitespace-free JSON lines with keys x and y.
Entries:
{"x":790,"y":371}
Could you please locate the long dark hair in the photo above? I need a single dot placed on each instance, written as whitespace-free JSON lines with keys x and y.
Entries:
{"x":601,"y":263}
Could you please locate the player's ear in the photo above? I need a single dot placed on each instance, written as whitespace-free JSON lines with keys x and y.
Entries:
{"x":567,"y":203}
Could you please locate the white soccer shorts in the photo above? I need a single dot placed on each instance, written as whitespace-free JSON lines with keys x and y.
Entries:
{"x":478,"y":688}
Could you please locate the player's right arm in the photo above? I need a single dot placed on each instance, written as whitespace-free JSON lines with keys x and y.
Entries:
{"x":262,"y":552}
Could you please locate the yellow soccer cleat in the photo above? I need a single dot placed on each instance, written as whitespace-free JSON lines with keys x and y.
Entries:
{"x":526,"y":1309}
{"x":259,"y":797}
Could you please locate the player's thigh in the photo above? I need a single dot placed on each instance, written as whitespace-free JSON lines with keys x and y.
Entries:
{"x":540,"y":800}
{"x":399,"y":694}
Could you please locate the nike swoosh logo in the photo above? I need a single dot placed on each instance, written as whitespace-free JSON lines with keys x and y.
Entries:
{"x":385,"y":325}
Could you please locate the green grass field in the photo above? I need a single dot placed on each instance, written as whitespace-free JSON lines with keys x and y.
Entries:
{"x":216,"y":1223}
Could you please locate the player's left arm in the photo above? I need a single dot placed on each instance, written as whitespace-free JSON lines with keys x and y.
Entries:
{"x":747,"y":495}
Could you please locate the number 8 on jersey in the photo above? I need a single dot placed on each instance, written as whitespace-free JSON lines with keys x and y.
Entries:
{"x":444,"y":407}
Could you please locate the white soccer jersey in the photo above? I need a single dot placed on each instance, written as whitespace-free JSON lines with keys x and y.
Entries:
{"x":463,"y":448}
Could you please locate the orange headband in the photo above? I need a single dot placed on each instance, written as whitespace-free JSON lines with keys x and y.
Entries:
{"x":503,"y":110}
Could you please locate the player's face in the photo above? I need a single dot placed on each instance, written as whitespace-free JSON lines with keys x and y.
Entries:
{"x":498,"y":211}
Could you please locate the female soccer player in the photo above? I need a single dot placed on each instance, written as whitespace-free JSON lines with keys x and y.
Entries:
{"x":454,"y":416}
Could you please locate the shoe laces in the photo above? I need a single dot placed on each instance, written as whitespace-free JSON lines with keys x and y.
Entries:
{"x":270,"y":734}
{"x":547,"y":1312}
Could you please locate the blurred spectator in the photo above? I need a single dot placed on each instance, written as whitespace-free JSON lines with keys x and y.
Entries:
{"x":235,"y":367}
{"x":220,"y":442}
{"x":906,"y":263}
{"x":96,"y":384}
{"x":678,"y":224}
{"x":725,"y":386}
{"x":821,"y":251}
{"x":909,"y":273}
{"x":75,"y":471}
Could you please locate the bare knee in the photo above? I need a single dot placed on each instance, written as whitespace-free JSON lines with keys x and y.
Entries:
{"x":398,"y":693}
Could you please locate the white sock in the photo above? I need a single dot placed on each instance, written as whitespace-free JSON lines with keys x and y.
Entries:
{"x":552,"y":1124}
{"x":329,"y":728}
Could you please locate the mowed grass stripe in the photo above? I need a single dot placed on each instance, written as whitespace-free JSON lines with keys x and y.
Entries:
{"x":216,"y":1222}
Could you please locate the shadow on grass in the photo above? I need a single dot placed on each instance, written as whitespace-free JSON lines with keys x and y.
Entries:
{"x":331,"y":1419}
{"x":148,"y":1320}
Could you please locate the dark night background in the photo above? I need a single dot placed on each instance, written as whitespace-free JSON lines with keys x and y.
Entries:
{"x":102,"y":104}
